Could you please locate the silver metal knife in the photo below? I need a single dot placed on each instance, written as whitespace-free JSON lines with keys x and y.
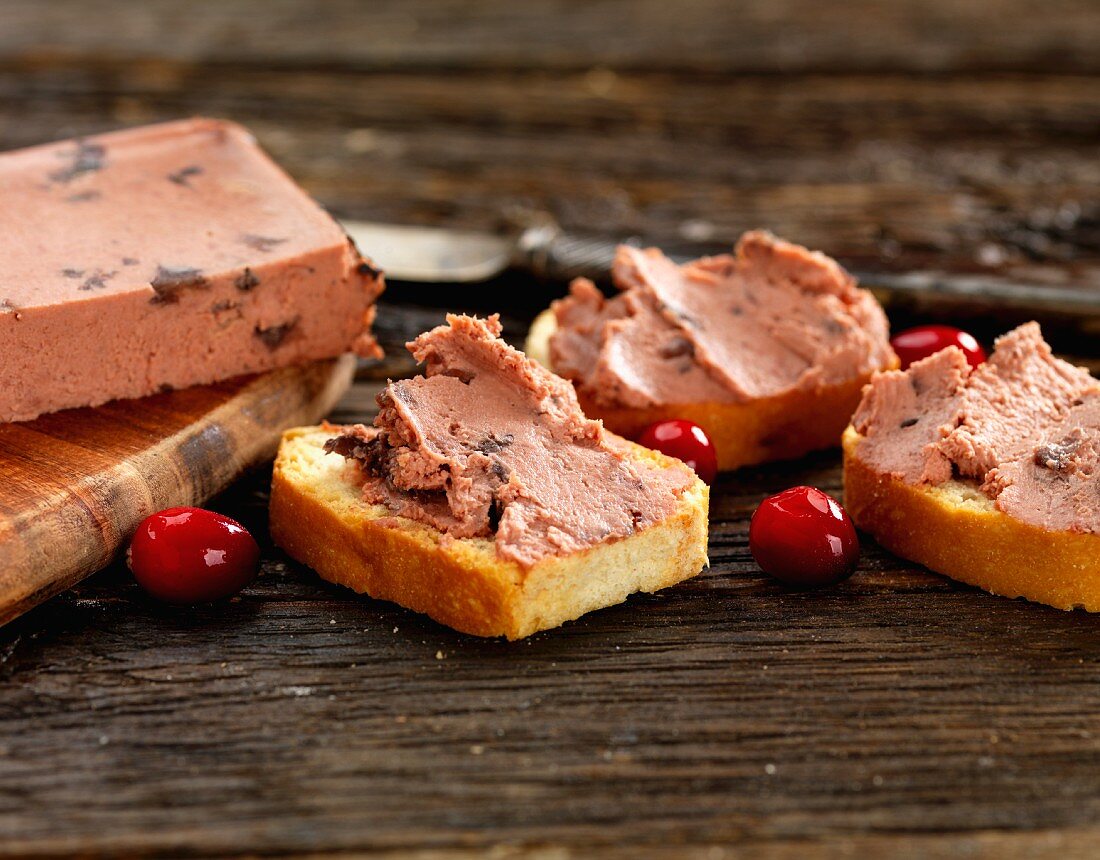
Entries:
{"x":437,"y":255}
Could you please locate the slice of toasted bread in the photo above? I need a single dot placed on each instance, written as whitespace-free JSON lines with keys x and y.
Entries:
{"x":956,"y":530}
{"x":769,"y":428}
{"x":320,"y":519}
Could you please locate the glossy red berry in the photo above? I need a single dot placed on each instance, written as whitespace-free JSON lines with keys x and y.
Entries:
{"x":188,"y":555}
{"x":913,"y":344}
{"x":804,"y":538}
{"x":684,"y":440}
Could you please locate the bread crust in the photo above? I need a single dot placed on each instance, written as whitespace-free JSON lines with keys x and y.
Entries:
{"x":956,"y":530}
{"x":318,"y":516}
{"x":782,"y":427}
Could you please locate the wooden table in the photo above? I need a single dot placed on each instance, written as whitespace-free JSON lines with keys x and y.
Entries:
{"x":895,"y":714}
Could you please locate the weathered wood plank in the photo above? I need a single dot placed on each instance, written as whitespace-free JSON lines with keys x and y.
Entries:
{"x":797,"y":35}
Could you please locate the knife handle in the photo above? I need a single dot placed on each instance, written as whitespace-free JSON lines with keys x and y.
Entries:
{"x":553,"y":255}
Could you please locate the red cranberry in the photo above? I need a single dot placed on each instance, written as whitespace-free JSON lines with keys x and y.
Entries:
{"x":804,"y":538}
{"x":188,"y":555}
{"x":684,"y":440}
{"x":913,"y":344}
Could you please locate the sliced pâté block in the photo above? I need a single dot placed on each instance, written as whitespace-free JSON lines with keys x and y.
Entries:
{"x":163,"y":257}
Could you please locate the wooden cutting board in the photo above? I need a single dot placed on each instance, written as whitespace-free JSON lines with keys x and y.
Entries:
{"x":75,"y":484}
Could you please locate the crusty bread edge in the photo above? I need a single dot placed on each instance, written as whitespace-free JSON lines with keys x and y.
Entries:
{"x":954,"y":529}
{"x":783,"y":427}
{"x":318,"y":518}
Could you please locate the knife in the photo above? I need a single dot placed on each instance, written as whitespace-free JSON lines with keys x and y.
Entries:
{"x":442,"y":256}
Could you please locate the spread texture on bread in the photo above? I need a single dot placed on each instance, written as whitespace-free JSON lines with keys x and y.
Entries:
{"x":767,"y":348}
{"x":483,"y":496}
{"x":988,"y":475}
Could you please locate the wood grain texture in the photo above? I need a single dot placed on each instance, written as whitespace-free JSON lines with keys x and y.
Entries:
{"x":75,"y":484}
{"x":715,"y":35}
{"x":897,"y":715}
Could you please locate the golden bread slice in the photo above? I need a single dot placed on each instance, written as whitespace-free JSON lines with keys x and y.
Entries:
{"x":955,"y":529}
{"x":319,"y":518}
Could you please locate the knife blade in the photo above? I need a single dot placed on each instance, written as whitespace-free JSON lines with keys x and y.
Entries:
{"x":442,"y":256}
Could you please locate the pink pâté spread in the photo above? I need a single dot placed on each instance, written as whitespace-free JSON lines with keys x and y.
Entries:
{"x":772,"y":318}
{"x":162,"y":257}
{"x":1025,"y":425}
{"x":487,"y":443}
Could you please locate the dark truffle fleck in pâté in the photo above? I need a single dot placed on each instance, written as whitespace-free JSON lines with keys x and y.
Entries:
{"x":275,"y":336}
{"x":183,"y":176}
{"x":170,"y":281}
{"x":97,"y":280}
{"x":365,"y":268}
{"x":246,"y":280}
{"x":86,"y":158}
{"x":263,"y":244}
